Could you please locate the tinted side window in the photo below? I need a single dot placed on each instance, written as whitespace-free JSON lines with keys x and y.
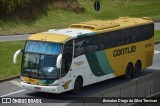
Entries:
{"x":91,"y":44}
{"x":80,"y":44}
{"x":150,"y":30}
{"x":115,"y":38}
{"x":126,"y":36}
{"x":85,"y":45}
{"x":67,"y":57}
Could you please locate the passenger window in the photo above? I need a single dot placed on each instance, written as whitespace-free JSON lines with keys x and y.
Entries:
{"x":90,"y":45}
{"x":85,"y":45}
{"x":150,"y":30}
{"x":115,"y":38}
{"x":80,"y":44}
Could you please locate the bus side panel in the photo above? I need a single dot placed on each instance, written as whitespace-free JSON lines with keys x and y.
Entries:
{"x":119,"y":57}
{"x":115,"y":63}
{"x":80,"y":67}
{"x":149,"y":46}
{"x":103,"y":65}
{"x":100,"y":65}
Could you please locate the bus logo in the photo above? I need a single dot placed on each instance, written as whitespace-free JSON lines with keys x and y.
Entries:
{"x":124,"y":51}
{"x":66,"y":84}
{"x":79,"y":63}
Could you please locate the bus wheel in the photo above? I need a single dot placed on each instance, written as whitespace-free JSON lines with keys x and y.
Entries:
{"x":137,"y":68}
{"x":129,"y":70}
{"x":77,"y":85}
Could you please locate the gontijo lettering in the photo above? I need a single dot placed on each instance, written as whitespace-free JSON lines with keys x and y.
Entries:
{"x":124,"y":51}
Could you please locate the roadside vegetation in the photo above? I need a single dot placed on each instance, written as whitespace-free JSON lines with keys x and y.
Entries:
{"x":7,"y":50}
{"x":157,"y":35}
{"x":41,"y":15}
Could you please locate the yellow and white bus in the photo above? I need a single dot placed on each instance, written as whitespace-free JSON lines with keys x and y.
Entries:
{"x":61,"y":60}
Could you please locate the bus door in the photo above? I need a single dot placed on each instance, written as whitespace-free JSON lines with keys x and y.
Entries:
{"x":66,"y":72}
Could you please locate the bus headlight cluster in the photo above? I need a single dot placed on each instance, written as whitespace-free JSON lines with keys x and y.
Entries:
{"x":54,"y":84}
{"x":22,"y":80}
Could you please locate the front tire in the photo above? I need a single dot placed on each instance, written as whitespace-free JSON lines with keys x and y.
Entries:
{"x":77,"y":85}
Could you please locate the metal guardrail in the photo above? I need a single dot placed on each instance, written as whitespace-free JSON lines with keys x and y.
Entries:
{"x":145,"y":86}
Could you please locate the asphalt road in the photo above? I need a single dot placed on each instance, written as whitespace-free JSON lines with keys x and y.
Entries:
{"x":25,"y":36}
{"x":157,"y":26}
{"x":14,"y":37}
{"x":13,"y":89}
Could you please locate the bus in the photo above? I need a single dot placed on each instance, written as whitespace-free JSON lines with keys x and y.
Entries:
{"x":68,"y":59}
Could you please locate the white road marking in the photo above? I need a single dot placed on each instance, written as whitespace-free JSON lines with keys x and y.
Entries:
{"x":16,"y":83}
{"x":13,"y":93}
{"x":156,"y":52}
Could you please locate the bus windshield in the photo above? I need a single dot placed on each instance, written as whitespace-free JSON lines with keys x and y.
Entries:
{"x":39,"y":60}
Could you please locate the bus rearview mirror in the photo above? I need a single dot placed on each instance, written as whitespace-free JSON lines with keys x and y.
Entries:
{"x":16,"y":55}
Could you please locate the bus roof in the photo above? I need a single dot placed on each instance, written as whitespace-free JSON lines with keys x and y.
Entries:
{"x":59,"y":35}
{"x":88,"y":28}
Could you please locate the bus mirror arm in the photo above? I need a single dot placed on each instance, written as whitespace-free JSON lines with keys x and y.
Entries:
{"x":16,"y":55}
{"x":58,"y":63}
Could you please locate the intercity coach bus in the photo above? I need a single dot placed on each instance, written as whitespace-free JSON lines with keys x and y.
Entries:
{"x":61,"y":60}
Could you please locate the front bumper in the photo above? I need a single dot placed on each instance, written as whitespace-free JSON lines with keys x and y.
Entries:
{"x":49,"y":89}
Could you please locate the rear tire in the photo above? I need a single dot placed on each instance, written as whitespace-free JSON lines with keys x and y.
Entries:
{"x":77,"y":85}
{"x":137,"y":69}
{"x":129,"y":70}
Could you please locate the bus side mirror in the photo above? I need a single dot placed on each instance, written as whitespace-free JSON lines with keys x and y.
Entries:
{"x":59,"y":59}
{"x":16,"y":55}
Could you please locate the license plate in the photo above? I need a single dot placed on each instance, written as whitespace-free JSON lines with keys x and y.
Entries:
{"x":37,"y":88}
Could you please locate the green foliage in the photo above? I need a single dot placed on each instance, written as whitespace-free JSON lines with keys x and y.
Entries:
{"x":62,"y":13}
{"x":7,"y":50}
{"x":157,"y":35}
{"x":11,"y":5}
{"x":23,"y":9}
{"x":31,"y":9}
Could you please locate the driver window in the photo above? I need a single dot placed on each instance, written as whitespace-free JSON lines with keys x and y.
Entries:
{"x":67,"y":57}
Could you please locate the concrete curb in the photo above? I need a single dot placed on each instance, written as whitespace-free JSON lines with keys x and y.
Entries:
{"x":18,"y":76}
{"x":11,"y":78}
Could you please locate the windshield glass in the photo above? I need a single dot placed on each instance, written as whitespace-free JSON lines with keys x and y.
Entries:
{"x":39,"y":60}
{"x":43,"y":47}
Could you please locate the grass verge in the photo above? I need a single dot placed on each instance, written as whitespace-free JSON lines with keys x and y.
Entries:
{"x":157,"y":35}
{"x":60,"y":18}
{"x":7,"y":50}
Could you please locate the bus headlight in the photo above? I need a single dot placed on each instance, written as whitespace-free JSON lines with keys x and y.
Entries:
{"x":54,"y":84}
{"x":22,"y":80}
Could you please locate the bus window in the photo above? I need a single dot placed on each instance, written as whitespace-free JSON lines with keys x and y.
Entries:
{"x":67,"y":57}
{"x":91,"y":45}
{"x":100,"y":42}
{"x":115,"y":38}
{"x":80,"y":45}
{"x":150,"y":30}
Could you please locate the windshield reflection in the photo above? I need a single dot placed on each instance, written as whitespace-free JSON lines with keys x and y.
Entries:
{"x":39,"y":60}
{"x":40,"y":66}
